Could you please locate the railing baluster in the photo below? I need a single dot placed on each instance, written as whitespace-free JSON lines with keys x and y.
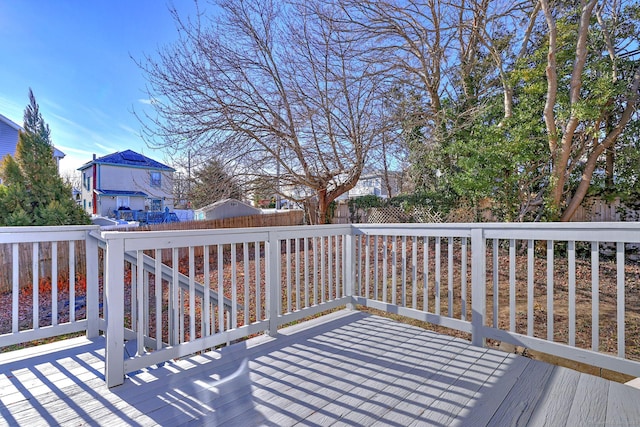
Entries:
{"x":206,"y":255}
{"x":234,"y":287}
{"x":425,"y":267}
{"x":450,"y":276}
{"x":376,"y":274}
{"x":385,"y":262}
{"x":403,"y":258}
{"x":54,"y":283}
{"x":463,"y":278}
{"x":438,"y":276}
{"x":175,"y":312}
{"x":414,"y":272}
{"x":157,"y":291}
{"x":512,"y":285}
{"x":145,"y":301}
{"x":138,"y":306}
{"x":134,"y":293}
{"x":620,"y":298}
{"x":322,"y":269}
{"x":256,"y":261}
{"x":220,"y":266}
{"x":15,"y":291}
{"x":297,"y":272}
{"x":192,"y":294}
{"x":245,"y":263}
{"x":571,"y":249}
{"x":337,"y":269}
{"x":367,"y":265}
{"x":550,"y":290}
{"x":288,"y":274}
{"x":72,"y":281}
{"x":34,"y":285}
{"x":496,"y":279}
{"x":394,"y":261}
{"x":306,"y":272}
{"x":530,"y":294}
{"x":595,"y":296}
{"x":330,"y":251}
{"x":315,"y":271}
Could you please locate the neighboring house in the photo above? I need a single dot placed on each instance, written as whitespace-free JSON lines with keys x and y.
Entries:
{"x":375,"y":183}
{"x":126,"y":180}
{"x":9,"y":132}
{"x":226,"y":208}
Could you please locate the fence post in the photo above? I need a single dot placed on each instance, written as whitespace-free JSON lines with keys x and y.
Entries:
{"x":114,"y":306}
{"x":273,"y":295}
{"x":349,"y":265}
{"x":93,"y":293}
{"x":478,"y":286}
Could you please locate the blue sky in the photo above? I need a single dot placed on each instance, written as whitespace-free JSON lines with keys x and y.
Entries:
{"x":76,"y":56}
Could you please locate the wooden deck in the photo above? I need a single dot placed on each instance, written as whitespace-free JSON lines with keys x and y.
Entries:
{"x":347,"y":368}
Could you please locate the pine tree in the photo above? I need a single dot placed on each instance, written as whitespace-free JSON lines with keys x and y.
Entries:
{"x":33,"y":193}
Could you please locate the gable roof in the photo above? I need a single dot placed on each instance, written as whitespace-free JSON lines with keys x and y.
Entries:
{"x":128,"y":158}
{"x":10,"y":123}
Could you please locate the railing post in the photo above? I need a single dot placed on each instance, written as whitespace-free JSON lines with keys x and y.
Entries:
{"x":273,"y":295}
{"x":349,"y":265}
{"x":92,"y":293}
{"x":478,"y":286}
{"x":114,"y":306}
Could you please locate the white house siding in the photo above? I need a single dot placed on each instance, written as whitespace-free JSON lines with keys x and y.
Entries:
{"x":125,"y":178}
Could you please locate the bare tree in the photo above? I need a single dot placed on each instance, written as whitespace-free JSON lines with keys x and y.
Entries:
{"x":440,"y":54}
{"x":273,"y":87}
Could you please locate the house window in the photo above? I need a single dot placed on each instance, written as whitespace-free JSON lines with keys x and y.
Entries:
{"x":156,"y":179}
{"x":122,"y":202}
{"x":155,"y":205}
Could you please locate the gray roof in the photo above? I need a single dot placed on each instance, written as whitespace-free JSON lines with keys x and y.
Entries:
{"x":128,"y":158}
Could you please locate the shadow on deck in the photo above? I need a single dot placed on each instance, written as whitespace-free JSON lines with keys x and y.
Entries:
{"x":349,"y":368}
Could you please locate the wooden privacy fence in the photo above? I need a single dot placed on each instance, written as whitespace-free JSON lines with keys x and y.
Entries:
{"x":25,"y":250}
{"x":284,"y":218}
{"x":595,"y":209}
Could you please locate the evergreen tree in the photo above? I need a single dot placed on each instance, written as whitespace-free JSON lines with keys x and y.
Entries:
{"x":32,"y":192}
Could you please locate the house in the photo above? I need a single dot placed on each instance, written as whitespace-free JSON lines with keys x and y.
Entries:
{"x":375,"y":183}
{"x":226,"y":208}
{"x":125,"y":180}
{"x":9,"y":135}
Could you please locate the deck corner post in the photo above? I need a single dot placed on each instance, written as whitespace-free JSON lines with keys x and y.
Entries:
{"x":272,"y":282}
{"x":93,"y":292}
{"x":478,"y":286}
{"x":350,"y":269}
{"x":114,"y":306}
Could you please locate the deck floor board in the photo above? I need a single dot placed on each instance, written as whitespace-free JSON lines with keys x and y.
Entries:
{"x":346,"y":368}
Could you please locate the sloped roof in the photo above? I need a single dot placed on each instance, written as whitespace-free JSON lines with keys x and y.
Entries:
{"x":10,"y":123}
{"x":223,"y":202}
{"x":128,"y":158}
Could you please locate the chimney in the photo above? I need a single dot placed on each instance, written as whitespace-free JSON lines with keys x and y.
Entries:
{"x":94,"y":157}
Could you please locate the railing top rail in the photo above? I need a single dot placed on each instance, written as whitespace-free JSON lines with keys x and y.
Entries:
{"x":510,"y":225}
{"x":45,"y":233}
{"x":140,"y":240}
{"x":584,"y":231}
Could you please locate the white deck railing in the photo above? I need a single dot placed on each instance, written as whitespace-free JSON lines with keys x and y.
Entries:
{"x":35,"y":253}
{"x":551,"y":287}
